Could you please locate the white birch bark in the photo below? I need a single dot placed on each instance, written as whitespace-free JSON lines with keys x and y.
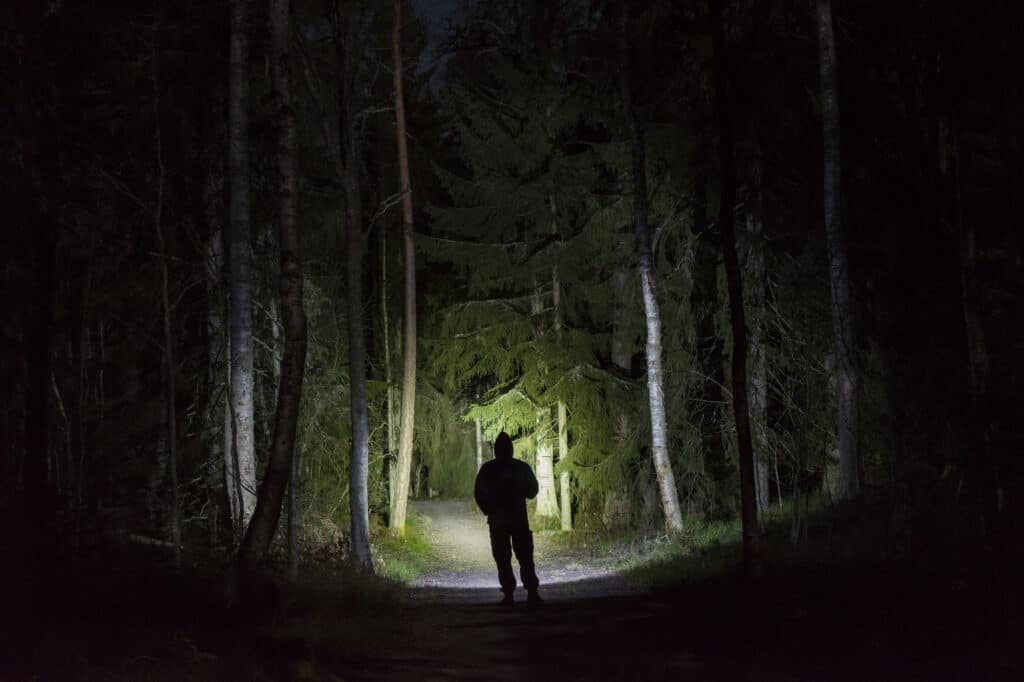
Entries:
{"x":547,"y":496}
{"x":563,"y":451}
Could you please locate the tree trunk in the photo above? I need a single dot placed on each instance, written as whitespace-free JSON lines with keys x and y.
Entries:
{"x":398,"y":511}
{"x":547,"y":495}
{"x":839,"y":275}
{"x":217,"y":365}
{"x":172,"y":413}
{"x":479,"y":444}
{"x":349,"y":169}
{"x":737,"y":315}
{"x":563,"y":451}
{"x":268,"y":507}
{"x":242,"y":384}
{"x":756,"y":268}
{"x":390,"y":456}
{"x":655,"y":375}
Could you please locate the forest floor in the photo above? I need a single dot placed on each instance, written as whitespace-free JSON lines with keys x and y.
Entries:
{"x":124,"y":618}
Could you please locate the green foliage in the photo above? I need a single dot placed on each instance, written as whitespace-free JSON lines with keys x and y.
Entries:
{"x":403,"y":558}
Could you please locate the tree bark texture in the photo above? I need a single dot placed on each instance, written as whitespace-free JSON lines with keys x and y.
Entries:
{"x":839,"y":274}
{"x":479,"y":445}
{"x":564,"y":480}
{"x":737,"y":315}
{"x":268,"y":507}
{"x":349,"y":169}
{"x":165,"y":304}
{"x":242,"y":380}
{"x":547,"y":495}
{"x":398,"y":511}
{"x":652,"y":315}
{"x":756,"y":269}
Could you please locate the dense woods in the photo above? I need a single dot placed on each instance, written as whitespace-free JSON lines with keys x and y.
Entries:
{"x":703,"y":261}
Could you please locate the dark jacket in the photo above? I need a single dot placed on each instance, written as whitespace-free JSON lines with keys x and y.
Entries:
{"x":502,"y":487}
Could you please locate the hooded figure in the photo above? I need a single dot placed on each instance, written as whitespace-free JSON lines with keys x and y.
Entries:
{"x":502,"y":488}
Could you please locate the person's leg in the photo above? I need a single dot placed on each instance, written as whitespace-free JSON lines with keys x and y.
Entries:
{"x":501,"y":550}
{"x":522,"y":543}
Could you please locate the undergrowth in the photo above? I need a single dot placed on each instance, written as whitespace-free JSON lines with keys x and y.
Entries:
{"x":403,"y":559}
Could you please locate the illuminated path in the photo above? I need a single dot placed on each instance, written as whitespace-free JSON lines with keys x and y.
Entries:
{"x":467,"y":573}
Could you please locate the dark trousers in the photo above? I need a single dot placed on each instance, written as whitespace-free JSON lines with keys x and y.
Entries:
{"x":504,"y":541}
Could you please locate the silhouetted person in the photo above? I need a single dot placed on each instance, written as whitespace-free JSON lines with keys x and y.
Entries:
{"x":502,"y":487}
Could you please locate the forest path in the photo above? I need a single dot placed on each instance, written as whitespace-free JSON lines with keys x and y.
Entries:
{"x":458,"y":532}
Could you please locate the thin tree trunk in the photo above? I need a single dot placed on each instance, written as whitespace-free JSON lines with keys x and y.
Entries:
{"x":241,"y":260}
{"x":479,"y":444}
{"x":563,"y":451}
{"x":217,"y":364}
{"x":390,"y":456}
{"x":655,"y":375}
{"x":349,"y":169}
{"x":172,"y":415}
{"x":756,"y":268}
{"x":398,"y":511}
{"x":268,"y":506}
{"x":737,"y":316}
{"x":839,"y":275}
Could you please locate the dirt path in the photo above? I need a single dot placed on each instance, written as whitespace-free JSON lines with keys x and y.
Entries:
{"x":468,"y":575}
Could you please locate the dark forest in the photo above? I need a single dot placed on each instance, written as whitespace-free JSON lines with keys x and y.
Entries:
{"x":741,"y":279}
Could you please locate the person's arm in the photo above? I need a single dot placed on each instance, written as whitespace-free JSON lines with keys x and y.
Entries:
{"x":481,"y":492}
{"x":529,"y":482}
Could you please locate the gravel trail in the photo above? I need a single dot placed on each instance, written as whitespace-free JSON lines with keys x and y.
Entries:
{"x":467,"y":573}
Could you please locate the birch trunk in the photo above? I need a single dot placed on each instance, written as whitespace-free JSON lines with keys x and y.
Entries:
{"x":398,"y":511}
{"x":655,"y":375}
{"x":242,"y":384}
{"x":737,"y":315}
{"x":286,"y":414}
{"x":839,"y":275}
{"x":349,"y":170}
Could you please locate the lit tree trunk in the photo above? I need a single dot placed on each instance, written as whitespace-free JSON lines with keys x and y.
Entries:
{"x":655,"y":375}
{"x":563,"y":435}
{"x":349,"y":169}
{"x":563,"y":451}
{"x":479,"y":444}
{"x":268,"y":507}
{"x":390,"y":457}
{"x":398,"y":511}
{"x":839,"y":275}
{"x":242,"y":384}
{"x":547,"y":495}
{"x":737,"y":316}
{"x":756,"y":269}
{"x":220,"y":448}
{"x":171,"y":411}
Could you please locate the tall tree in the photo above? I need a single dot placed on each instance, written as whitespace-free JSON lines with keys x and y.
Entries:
{"x":240,"y":255}
{"x":734,"y":280}
{"x":848,"y":486}
{"x":268,"y":507}
{"x":652,"y":315}
{"x":348,"y":169}
{"x":401,"y":500}
{"x":171,"y":413}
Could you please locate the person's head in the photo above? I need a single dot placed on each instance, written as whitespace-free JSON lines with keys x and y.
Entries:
{"x":503,"y":446}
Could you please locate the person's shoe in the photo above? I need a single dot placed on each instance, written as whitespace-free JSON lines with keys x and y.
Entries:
{"x":533,"y":599}
{"x":507,"y":600}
